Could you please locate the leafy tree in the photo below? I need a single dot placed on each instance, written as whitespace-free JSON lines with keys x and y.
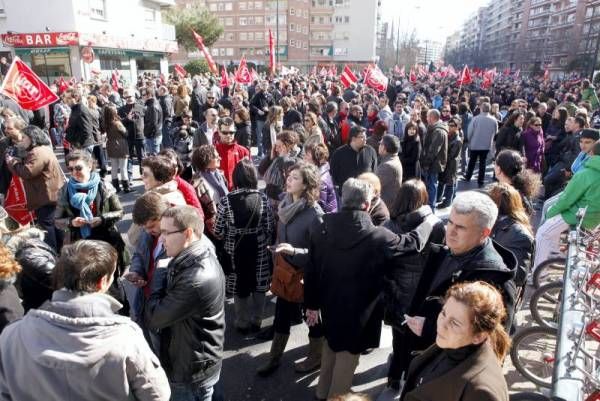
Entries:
{"x":197,"y":67}
{"x":199,"y":19}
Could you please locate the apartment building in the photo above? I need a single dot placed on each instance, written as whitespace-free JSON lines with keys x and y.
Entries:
{"x":429,"y":50}
{"x":531,"y":35}
{"x":307,"y":32}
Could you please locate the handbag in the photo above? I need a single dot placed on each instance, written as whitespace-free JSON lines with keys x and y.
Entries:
{"x":287,"y":281}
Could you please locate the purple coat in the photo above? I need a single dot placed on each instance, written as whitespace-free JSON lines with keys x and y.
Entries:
{"x":327,"y":199}
{"x":534,"y":148}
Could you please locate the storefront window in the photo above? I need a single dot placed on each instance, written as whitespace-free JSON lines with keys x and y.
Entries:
{"x":148,"y":64}
{"x":48,"y":64}
{"x":110,"y":63}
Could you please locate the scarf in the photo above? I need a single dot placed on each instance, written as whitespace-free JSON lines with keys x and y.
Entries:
{"x":288,"y":208}
{"x":217,"y":181}
{"x":83,"y":201}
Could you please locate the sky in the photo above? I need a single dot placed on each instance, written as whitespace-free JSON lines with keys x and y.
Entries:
{"x":432,"y":19}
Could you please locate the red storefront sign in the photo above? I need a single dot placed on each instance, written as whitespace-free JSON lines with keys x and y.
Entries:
{"x":47,"y":39}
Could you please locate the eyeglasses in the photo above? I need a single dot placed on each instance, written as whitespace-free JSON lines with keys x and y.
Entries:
{"x":445,"y":111}
{"x":165,"y":233}
{"x":77,"y":168}
{"x":228,"y":132}
{"x":210,"y":98}
{"x":452,"y":125}
{"x":537,"y":125}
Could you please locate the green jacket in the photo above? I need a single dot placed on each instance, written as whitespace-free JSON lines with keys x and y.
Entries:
{"x":589,"y":95}
{"x":583,"y":190}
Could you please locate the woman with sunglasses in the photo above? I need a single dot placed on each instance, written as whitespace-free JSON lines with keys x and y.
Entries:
{"x":42,"y":178}
{"x":90,"y":209}
{"x":533,"y":144}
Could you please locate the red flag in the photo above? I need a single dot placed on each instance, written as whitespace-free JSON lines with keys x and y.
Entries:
{"x":179,"y":70}
{"x":27,"y":89}
{"x":396,"y":70}
{"x":332,"y":71}
{"x":348,"y":78}
{"x":402,"y":72}
{"x":16,"y":202}
{"x":412,"y":77}
{"x":224,"y":78}
{"x":314,"y":70}
{"x":271,"y":52}
{"x":209,"y":60}
{"x":253,"y":74}
{"x":517,"y":73}
{"x":375,"y":79}
{"x":451,"y":71}
{"x":62,"y":85}
{"x":242,"y":75}
{"x":506,"y":72}
{"x":546,"y":74}
{"x":323,"y":72}
{"x":115,"y":80}
{"x":465,"y":77}
{"x":422,"y":71}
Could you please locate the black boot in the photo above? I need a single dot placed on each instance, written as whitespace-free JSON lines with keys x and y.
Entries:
{"x":126,"y":187}
{"x":115,"y":183}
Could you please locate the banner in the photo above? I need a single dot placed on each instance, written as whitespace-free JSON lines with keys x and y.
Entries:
{"x":27,"y":89}
{"x":271,"y":52}
{"x":465,"y":77}
{"x":209,"y":60}
{"x":115,"y":80}
{"x":224,"y":78}
{"x":15,"y":203}
{"x":348,"y":78}
{"x":179,"y":70}
{"x":412,"y":76}
{"x":375,"y":79}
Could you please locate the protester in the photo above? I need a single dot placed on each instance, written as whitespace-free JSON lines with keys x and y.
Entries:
{"x":435,"y":154}
{"x":509,"y":136}
{"x":509,"y":168}
{"x":96,"y":354}
{"x":10,"y":304}
{"x":318,"y":155}
{"x":42,"y":178}
{"x":245,"y":220}
{"x":274,"y":168}
{"x":352,"y":159}
{"x":187,"y":306}
{"x":378,"y":210}
{"x":117,"y":148}
{"x":466,"y":360}
{"x":480,"y":136}
{"x":243,"y":130}
{"x":447,"y":179}
{"x":158,"y":176}
{"x":80,"y":128}
{"x":410,"y":155}
{"x":229,"y":151}
{"x":533,"y":144}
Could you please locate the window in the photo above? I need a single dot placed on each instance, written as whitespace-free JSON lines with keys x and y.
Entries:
{"x":222,"y":52}
{"x":243,"y":36}
{"x":243,"y":21}
{"x":258,"y":36}
{"x":212,"y":7}
{"x":220,"y":7}
{"x":292,"y":27}
{"x":229,"y":36}
{"x":98,"y":9}
{"x":346,"y":19}
{"x":215,"y":51}
{"x":305,"y":30}
{"x":228,"y":7}
{"x":250,"y":5}
{"x":258,"y":5}
{"x":292,"y":42}
{"x":338,"y":19}
{"x":292,"y":11}
{"x":305,"y":14}
{"x":149,"y":15}
{"x":229,"y":51}
{"x":229,"y":21}
{"x":299,"y":28}
{"x":242,"y":5}
{"x":258,"y":20}
{"x":2,"y":9}
{"x":250,"y":35}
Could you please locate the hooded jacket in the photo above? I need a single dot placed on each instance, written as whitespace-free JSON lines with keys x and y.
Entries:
{"x":76,"y":348}
{"x":348,"y":258}
{"x":583,"y":190}
{"x":435,"y":148}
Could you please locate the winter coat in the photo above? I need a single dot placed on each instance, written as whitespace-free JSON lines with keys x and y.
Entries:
{"x":135,"y":124}
{"x":80,"y":130}
{"x":389,"y":172}
{"x":296,"y":231}
{"x":435,"y":148}
{"x":509,"y":137}
{"x":10,"y":304}
{"x":450,"y":174}
{"x":109,"y":209}
{"x":166,"y":105}
{"x":589,"y":95}
{"x":402,"y":278}
{"x":260,"y":101}
{"x":190,"y":313}
{"x":231,"y":154}
{"x":411,"y":157}
{"x":379,"y":211}
{"x":581,"y":191}
{"x":41,"y":174}
{"x":514,"y":237}
{"x":35,"y":283}
{"x":348,"y":258}
{"x":327,"y":198}
{"x":170,"y":193}
{"x":243,"y":134}
{"x":152,"y":119}
{"x":533,"y":142}
{"x":489,"y":262}
{"x":96,"y":355}
{"x":347,"y":163}
{"x":478,"y":378}
{"x":183,"y":145}
{"x":116,"y":141}
{"x":482,"y":130}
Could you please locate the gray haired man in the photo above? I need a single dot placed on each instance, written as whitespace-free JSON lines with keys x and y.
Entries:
{"x":469,"y":255}
{"x":348,"y":257}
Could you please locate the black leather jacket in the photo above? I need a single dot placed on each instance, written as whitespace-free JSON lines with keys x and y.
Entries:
{"x":190,"y":312}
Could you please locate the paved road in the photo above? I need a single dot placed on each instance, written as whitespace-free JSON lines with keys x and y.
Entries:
{"x":243,"y":354}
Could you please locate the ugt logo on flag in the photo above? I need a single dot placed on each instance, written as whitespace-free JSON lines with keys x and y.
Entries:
{"x":23,"y":86}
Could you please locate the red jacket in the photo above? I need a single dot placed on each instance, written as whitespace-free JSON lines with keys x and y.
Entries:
{"x":230,"y":156}
{"x":189,"y":194}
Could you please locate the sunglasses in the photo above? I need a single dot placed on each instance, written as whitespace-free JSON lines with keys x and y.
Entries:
{"x":210,"y":98}
{"x":77,"y":168}
{"x":228,"y":132}
{"x":452,"y":125}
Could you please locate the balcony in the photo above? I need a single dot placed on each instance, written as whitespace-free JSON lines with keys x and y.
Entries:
{"x":321,"y":27}
{"x":168,"y":31}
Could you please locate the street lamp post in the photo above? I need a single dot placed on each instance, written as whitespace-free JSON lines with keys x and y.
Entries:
{"x":277,"y":33}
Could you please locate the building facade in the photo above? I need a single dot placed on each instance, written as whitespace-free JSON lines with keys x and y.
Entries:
{"x":531,"y":35}
{"x":74,"y":38}
{"x":429,"y":50}
{"x":307,"y":32}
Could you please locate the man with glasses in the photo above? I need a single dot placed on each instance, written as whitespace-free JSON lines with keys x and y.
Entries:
{"x":229,"y":151}
{"x":481,"y":133}
{"x":188,"y":308}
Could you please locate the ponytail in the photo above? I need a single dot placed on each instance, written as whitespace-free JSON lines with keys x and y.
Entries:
{"x":500,"y":342}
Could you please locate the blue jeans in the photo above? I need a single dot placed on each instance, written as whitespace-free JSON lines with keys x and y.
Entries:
{"x":259,"y":143}
{"x":431,"y":183}
{"x":167,"y":140}
{"x":446,"y":191}
{"x":153,"y":145}
{"x":194,"y":392}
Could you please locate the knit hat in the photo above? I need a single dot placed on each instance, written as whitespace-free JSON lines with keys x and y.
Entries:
{"x":590,"y":134}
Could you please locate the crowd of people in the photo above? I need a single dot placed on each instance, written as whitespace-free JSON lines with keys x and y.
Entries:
{"x":320,"y":195}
